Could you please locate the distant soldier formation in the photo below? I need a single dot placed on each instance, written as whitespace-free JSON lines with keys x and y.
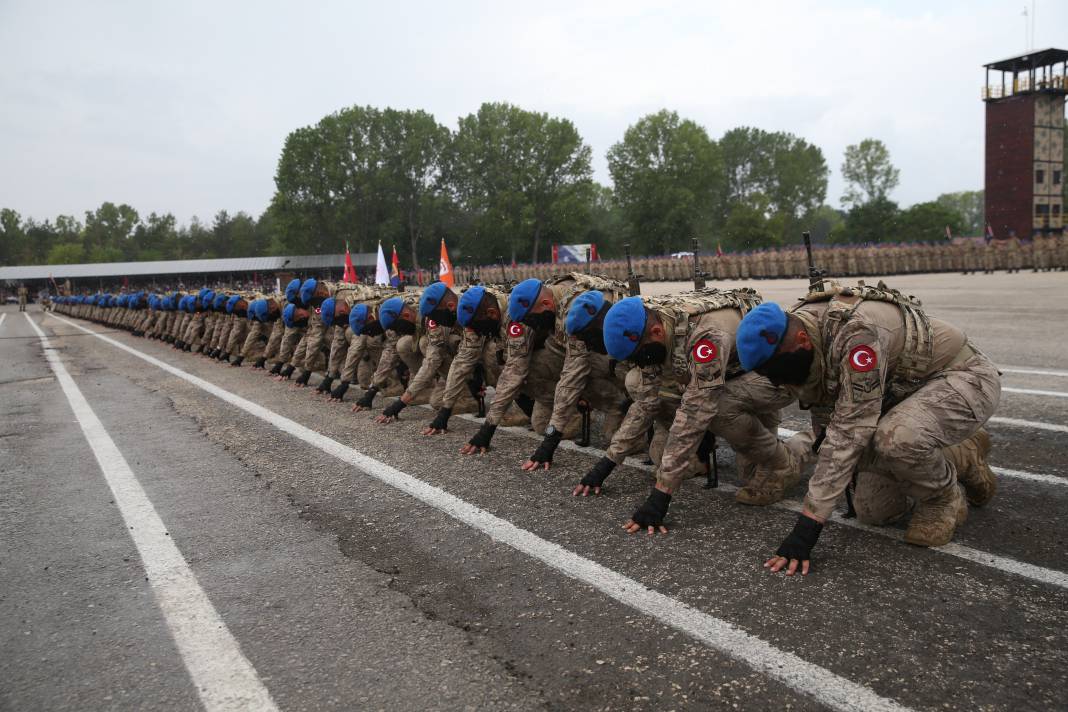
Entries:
{"x":898,"y":398}
{"x":966,"y":256}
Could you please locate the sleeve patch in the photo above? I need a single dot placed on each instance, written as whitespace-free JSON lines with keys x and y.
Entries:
{"x":862,"y":358}
{"x":515,"y":330}
{"x":704,"y":351}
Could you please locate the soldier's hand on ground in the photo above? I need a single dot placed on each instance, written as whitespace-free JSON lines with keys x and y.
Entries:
{"x":366,"y":400}
{"x":480,"y":442}
{"x":440,"y":424}
{"x":650,"y":515}
{"x":594,"y":478}
{"x":796,"y":549}
{"x":543,"y":456}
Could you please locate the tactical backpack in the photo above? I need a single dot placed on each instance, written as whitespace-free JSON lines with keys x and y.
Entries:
{"x":614,"y":290}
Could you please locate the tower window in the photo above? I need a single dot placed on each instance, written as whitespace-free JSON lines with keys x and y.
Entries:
{"x":1056,"y":177}
{"x":1040,"y":176}
{"x":1042,"y":209}
{"x":1056,"y":210}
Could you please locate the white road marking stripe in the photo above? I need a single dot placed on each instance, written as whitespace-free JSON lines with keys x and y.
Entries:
{"x":804,"y":677}
{"x":1033,"y":371}
{"x":1018,"y":423}
{"x":1002,"y":563}
{"x":1033,"y":476}
{"x":224,"y":678}
{"x":4,"y":316}
{"x":1034,"y":392}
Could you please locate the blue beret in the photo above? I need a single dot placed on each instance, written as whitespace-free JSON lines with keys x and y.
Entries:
{"x":287,"y":314}
{"x":220,"y":301}
{"x":232,"y":302}
{"x":326,"y":311}
{"x":358,"y":318}
{"x":191,"y":303}
{"x":258,"y":310}
{"x":204,"y":293}
{"x":583,"y":310}
{"x":307,"y":290}
{"x":292,"y":290}
{"x":389,"y":311}
{"x":207,"y":298}
{"x":469,"y":301}
{"x":522,"y":298}
{"x":431,"y":296}
{"x":759,"y":334}
{"x":624,"y":325}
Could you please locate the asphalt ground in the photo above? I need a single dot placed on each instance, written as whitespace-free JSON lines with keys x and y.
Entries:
{"x":359,"y":566}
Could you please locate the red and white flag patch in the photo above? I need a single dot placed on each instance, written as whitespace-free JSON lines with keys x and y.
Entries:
{"x":704,"y":351}
{"x":431,"y":324}
{"x":515,"y":330}
{"x":862,"y":358}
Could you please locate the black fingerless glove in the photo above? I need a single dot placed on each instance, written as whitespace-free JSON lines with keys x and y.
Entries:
{"x":391,"y":410}
{"x":545,"y":451}
{"x":259,"y":363}
{"x":276,"y":369}
{"x":368,"y":397}
{"x":599,"y":473}
{"x":441,"y":420}
{"x":302,"y":379}
{"x":653,"y":510}
{"x":801,"y":540}
{"x":237,"y":361}
{"x":340,"y":391}
{"x":325,"y":385}
{"x":287,"y":371}
{"x":483,"y":436}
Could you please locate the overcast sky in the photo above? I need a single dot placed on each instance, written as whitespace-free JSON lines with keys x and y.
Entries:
{"x":183,"y":107}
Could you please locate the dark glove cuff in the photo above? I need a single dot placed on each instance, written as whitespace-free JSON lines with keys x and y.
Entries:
{"x":325,"y":385}
{"x":548,"y":446}
{"x":799,"y":544}
{"x":368,"y":397}
{"x":394,"y":408}
{"x":441,"y":420}
{"x":599,"y":473}
{"x":653,"y":510}
{"x":483,"y":436}
{"x":339,"y":391}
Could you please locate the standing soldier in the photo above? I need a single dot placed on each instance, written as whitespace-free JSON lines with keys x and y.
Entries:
{"x":906,"y":395}
{"x":23,"y":294}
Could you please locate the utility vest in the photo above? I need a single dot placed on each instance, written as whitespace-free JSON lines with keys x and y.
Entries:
{"x":917,"y":353}
{"x":613,"y":289}
{"x":683,"y":308}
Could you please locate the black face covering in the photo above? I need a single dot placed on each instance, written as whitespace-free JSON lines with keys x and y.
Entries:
{"x":403,"y":327}
{"x":242,"y":313}
{"x":443,"y":317}
{"x":542,"y":321}
{"x":650,"y":355}
{"x":594,"y":340}
{"x":486,"y":327}
{"x":373,"y":328}
{"x":789,"y":367}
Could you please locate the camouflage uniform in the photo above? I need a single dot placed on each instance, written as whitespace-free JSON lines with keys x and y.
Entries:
{"x":891,"y":388}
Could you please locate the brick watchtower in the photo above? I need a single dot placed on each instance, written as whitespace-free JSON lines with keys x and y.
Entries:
{"x":1025,"y":144}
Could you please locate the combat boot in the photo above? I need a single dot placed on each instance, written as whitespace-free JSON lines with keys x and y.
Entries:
{"x":769,"y":483}
{"x":934,"y":520}
{"x":973,"y":472}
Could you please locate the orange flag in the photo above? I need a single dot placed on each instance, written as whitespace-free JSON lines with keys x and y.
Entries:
{"x":445,"y":268}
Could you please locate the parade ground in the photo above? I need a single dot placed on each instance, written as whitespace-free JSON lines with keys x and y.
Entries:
{"x":170,"y":525}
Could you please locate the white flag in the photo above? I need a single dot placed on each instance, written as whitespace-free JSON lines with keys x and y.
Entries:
{"x":381,"y":272}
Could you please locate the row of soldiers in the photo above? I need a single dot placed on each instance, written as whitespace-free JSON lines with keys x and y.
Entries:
{"x":1043,"y":253}
{"x":898,"y":398}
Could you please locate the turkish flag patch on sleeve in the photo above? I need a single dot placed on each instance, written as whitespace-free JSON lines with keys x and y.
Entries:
{"x":704,"y":351}
{"x":862,"y":358}
{"x":515,"y":330}
{"x":431,"y":324}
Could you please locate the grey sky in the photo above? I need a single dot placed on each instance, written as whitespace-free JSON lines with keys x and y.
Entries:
{"x":183,"y":107}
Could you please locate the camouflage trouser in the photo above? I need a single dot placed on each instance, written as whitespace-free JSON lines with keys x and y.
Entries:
{"x":540,"y":385}
{"x":907,"y":458}
{"x":256,"y":338}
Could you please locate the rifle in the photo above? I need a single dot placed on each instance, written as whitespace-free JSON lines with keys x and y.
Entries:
{"x":585,"y":410}
{"x":504,"y":275}
{"x":698,"y":275}
{"x":477,"y":386}
{"x":706,"y":454}
{"x":815,"y":275}
{"x":634,"y":285}
{"x":589,"y":264}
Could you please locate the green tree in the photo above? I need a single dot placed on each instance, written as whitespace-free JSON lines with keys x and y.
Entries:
{"x":873,"y":221}
{"x":668,"y":177}
{"x":109,"y":230}
{"x":66,"y":253}
{"x":868,"y":173}
{"x":823,"y":222}
{"x":517,"y":171}
{"x":12,"y":237}
{"x":968,"y":204}
{"x":927,"y":222}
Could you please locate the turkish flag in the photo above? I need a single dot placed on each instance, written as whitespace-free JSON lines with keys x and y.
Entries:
{"x":445,"y":268}
{"x":350,"y":271}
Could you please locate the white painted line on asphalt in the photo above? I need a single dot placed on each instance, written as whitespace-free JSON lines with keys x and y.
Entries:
{"x":1033,"y":371}
{"x":1034,"y":392}
{"x":1033,"y":476}
{"x":224,"y":678}
{"x":2,"y":317}
{"x":804,"y":677}
{"x":1018,"y":423}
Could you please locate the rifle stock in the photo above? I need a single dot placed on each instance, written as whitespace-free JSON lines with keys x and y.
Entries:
{"x":634,"y":286}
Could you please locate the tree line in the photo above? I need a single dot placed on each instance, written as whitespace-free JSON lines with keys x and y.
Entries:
{"x":510,"y":182}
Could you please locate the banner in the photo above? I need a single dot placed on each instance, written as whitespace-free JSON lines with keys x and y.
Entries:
{"x":574,"y":253}
{"x":445,"y":268}
{"x":381,"y":271}
{"x":395,"y":274}
{"x":350,"y":271}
